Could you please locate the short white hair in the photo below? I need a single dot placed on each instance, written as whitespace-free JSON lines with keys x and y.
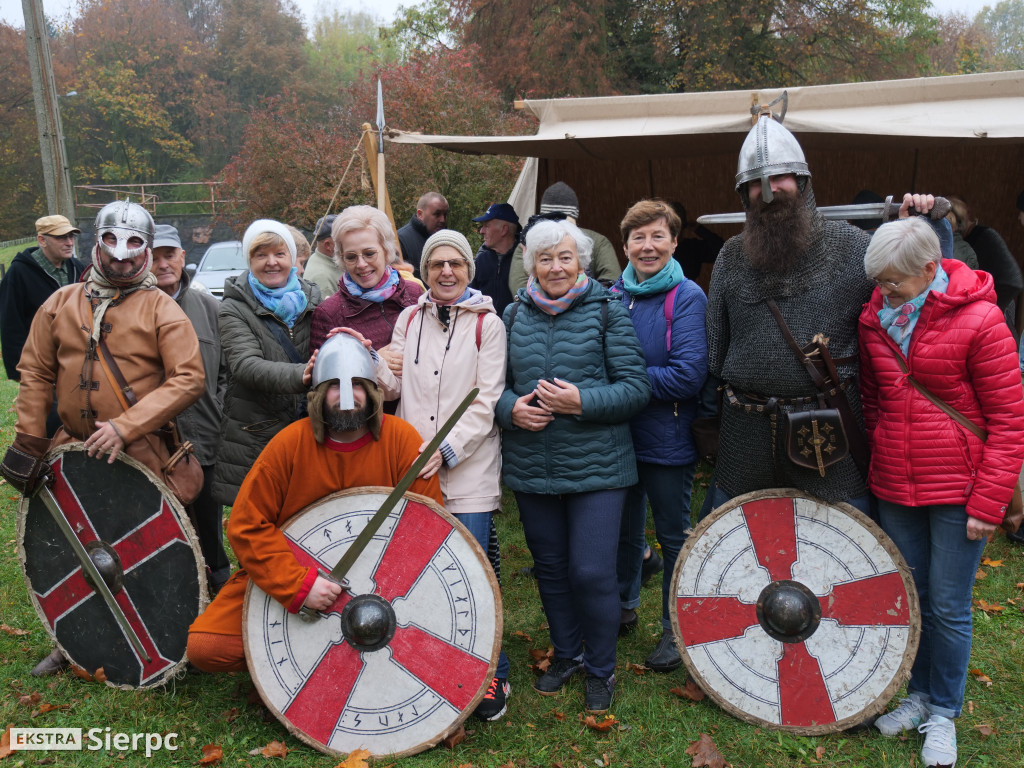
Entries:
{"x":906,"y":245}
{"x":548,"y":234}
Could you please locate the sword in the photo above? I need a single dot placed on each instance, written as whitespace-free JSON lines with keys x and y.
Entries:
{"x":339,"y":571}
{"x":89,"y":567}
{"x":886,"y":211}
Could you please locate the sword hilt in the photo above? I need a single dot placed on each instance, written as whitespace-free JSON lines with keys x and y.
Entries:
{"x":892,"y":209}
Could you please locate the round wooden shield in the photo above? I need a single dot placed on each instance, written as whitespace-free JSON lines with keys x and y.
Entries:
{"x":132,"y":527}
{"x":794,"y":613}
{"x":404,"y":655}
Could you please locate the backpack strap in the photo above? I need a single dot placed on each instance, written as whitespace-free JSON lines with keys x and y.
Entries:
{"x":409,"y":321}
{"x":670,"y":308}
{"x":479,"y":328}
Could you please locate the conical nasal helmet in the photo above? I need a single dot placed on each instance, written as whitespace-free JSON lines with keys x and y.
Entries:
{"x":769,"y":150}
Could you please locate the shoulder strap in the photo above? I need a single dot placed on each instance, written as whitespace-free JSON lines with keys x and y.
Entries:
{"x":479,"y":328}
{"x":282,"y":338}
{"x":942,"y":405}
{"x":115,"y":378}
{"x":670,"y":308}
{"x":802,"y":356}
{"x":409,"y":321}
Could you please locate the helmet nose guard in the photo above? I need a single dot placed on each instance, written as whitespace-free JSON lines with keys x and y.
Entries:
{"x":344,"y":358}
{"x":124,"y":220}
{"x":769,"y":150}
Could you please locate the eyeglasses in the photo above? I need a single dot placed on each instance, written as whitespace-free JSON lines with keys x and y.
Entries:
{"x":437,"y":265}
{"x":68,"y":236}
{"x":889,"y":285}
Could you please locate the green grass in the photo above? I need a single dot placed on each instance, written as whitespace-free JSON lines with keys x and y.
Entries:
{"x":655,"y":726}
{"x":7,"y":254}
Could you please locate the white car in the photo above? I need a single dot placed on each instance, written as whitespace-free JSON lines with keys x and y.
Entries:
{"x":221,"y":261}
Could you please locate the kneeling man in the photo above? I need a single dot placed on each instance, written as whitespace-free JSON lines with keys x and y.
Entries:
{"x":329,"y":451}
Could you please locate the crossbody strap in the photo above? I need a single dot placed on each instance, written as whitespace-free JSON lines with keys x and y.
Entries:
{"x":282,"y":338}
{"x":941,"y":404}
{"x":803,"y":357}
{"x":115,"y":378}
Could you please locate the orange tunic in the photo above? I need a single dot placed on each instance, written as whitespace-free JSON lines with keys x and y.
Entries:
{"x":292,"y":472}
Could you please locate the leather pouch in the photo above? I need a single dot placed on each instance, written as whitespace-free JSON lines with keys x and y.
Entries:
{"x":815,"y":439}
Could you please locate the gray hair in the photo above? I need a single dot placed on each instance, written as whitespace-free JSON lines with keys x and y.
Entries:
{"x":548,"y":234}
{"x":906,"y":245}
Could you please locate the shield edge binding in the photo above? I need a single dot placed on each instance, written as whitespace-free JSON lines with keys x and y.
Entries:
{"x":498,"y":626}
{"x":183,"y":520}
{"x":914,"y":609}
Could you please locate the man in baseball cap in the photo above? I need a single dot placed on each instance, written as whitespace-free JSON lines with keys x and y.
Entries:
{"x":499,"y":227}
{"x":34,"y":274}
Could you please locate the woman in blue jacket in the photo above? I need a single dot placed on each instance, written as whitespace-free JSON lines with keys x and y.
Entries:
{"x":575,"y":376}
{"x":668,"y":313}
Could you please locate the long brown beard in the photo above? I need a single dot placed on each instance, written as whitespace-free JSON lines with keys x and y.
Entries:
{"x":778,"y":234}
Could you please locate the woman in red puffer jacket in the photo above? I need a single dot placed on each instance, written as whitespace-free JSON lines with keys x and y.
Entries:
{"x":941,"y":490}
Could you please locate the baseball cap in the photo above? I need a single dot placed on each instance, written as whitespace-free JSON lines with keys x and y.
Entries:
{"x":166,"y":235}
{"x":56,"y":226}
{"x":502,"y":211}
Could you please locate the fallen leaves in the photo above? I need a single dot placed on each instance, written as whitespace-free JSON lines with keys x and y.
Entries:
{"x":30,"y":700}
{"x":691,"y":691}
{"x":541,"y":659}
{"x":44,"y":708}
{"x":212,"y":754}
{"x":99,"y":676}
{"x":637,"y":669}
{"x":273,"y":749}
{"x":522,"y":635}
{"x":17,"y":632}
{"x":992,"y":563}
{"x":820,"y":752}
{"x":5,"y":743}
{"x":452,"y":740}
{"x":705,"y":753}
{"x":356,"y":759}
{"x":985,"y":730}
{"x":988,"y":607}
{"x":601,"y":726}
{"x":230,"y":715}
{"x":981,"y":677}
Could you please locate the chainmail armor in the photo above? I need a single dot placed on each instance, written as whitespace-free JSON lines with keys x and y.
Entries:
{"x":823,"y":294}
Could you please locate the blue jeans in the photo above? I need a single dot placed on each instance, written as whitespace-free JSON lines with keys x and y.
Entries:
{"x":668,"y":488}
{"x":934,"y":542}
{"x":573,"y":538}
{"x":480,"y":525}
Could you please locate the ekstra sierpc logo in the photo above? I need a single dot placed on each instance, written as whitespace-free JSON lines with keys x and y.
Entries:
{"x":96,"y":739}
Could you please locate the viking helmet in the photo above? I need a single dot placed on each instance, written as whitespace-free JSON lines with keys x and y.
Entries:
{"x":769,"y":150}
{"x":343,"y":357}
{"x":124,"y":220}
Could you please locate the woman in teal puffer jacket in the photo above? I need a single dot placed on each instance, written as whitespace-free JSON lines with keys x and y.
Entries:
{"x":575,"y":376}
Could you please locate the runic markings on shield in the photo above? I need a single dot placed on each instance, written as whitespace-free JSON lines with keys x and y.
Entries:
{"x":790,"y":644}
{"x":417,"y":539}
{"x":134,"y":548}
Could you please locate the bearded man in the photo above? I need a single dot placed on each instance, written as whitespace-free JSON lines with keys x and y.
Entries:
{"x":118,"y":352}
{"x":346,"y":442}
{"x":812,"y":269}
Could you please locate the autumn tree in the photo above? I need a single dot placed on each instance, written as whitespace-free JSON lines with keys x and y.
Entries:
{"x":1003,"y":24}
{"x":342,"y":45}
{"x":962,"y":47}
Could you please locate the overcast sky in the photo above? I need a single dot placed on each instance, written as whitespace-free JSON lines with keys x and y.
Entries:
{"x":11,"y":10}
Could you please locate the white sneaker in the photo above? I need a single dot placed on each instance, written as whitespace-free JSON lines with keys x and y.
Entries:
{"x":906,"y":717}
{"x":939,"y":741}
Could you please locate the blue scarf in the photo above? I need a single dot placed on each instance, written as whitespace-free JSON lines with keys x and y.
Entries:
{"x":899,"y":322}
{"x":382,"y":291}
{"x":668,"y":278}
{"x":286,"y":302}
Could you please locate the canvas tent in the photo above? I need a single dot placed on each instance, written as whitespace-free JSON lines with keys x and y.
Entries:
{"x":960,"y":136}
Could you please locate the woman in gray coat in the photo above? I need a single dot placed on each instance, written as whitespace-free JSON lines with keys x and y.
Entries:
{"x":264,"y":327}
{"x":575,"y":376}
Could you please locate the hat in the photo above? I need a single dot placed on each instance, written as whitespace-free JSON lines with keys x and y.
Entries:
{"x":456,"y":240}
{"x":261,"y":226}
{"x":559,"y":198}
{"x":164,"y":235}
{"x":323,"y":227}
{"x":57,"y":226}
{"x":502,"y":211}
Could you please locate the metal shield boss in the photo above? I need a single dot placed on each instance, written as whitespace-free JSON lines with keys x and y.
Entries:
{"x":406,"y":652}
{"x":139,"y":538}
{"x":794,"y":613}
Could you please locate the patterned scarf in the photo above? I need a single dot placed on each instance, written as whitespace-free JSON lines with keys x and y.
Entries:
{"x":899,"y":322}
{"x":562,"y":303}
{"x":286,"y":302}
{"x":382,"y":291}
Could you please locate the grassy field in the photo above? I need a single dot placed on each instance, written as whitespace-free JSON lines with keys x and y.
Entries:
{"x":655,"y":727}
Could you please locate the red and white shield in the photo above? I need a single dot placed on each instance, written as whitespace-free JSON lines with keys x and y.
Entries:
{"x":794,"y":613}
{"x":131,"y":523}
{"x":404,"y":655}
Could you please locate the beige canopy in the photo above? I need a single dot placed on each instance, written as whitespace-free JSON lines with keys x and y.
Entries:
{"x":960,"y":136}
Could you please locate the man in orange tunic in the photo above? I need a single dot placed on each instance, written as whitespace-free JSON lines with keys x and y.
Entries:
{"x":330,"y":451}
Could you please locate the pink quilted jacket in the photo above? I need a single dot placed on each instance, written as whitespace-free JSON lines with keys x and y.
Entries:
{"x":962,"y":351}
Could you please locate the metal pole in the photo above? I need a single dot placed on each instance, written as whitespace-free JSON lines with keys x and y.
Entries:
{"x":56,"y":174}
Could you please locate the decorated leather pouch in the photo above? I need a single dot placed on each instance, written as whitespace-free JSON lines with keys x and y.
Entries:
{"x":815,"y":438}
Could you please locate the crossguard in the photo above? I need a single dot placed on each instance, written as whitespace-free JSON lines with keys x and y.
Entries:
{"x":938,"y":211}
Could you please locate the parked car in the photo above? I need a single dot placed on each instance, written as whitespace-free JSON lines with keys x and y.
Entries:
{"x":221,"y":261}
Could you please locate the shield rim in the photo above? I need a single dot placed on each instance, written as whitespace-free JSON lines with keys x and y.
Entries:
{"x":498,"y":626}
{"x":183,"y":520}
{"x":913,"y":604}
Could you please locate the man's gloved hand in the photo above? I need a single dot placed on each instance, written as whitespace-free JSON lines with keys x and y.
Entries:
{"x":23,"y":464}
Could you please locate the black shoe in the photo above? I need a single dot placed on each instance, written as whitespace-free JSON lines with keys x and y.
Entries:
{"x":628,"y":621}
{"x":1016,"y":538}
{"x":558,"y":674}
{"x":652,"y":565}
{"x":665,"y":656}
{"x":494,"y":703}
{"x":51,"y":665}
{"x":599,"y":694}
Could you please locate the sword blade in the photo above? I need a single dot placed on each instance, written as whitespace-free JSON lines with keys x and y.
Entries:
{"x":886,"y":211}
{"x":352,"y":553}
{"x":50,"y":502}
